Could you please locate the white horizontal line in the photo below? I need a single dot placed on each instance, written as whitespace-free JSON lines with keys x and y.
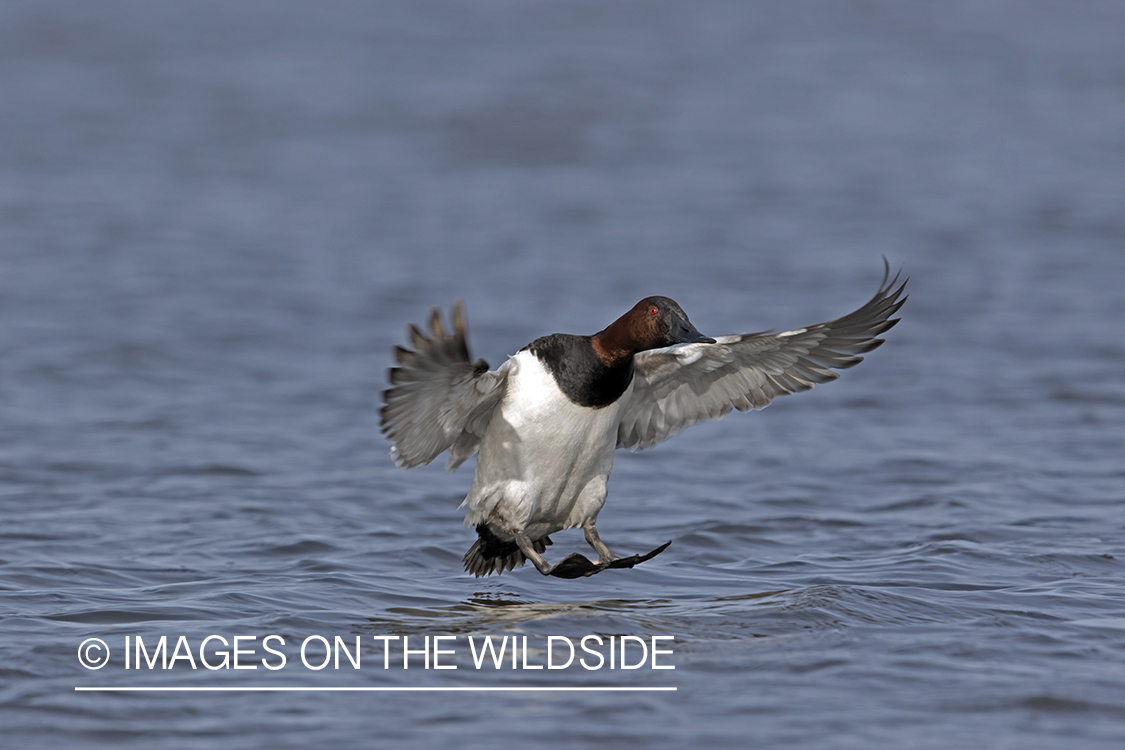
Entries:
{"x":292,"y":689}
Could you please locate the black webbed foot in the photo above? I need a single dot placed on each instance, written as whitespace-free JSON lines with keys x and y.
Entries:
{"x":628,"y":562}
{"x":575,"y":566}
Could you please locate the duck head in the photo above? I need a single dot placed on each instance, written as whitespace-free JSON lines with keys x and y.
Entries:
{"x":653,"y":323}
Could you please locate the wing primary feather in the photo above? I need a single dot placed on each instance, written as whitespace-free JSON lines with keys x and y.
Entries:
{"x":439,"y":400}
{"x":748,"y":371}
{"x":436,"y":328}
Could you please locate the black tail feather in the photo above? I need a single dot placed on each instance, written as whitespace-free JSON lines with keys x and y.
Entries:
{"x":490,"y":554}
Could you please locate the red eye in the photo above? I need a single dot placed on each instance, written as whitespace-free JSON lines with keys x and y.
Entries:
{"x":652,"y":311}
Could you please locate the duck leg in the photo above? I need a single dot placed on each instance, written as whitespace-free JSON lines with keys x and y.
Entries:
{"x":595,"y":541}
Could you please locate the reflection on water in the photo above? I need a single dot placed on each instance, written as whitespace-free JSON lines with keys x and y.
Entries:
{"x":491,"y":611}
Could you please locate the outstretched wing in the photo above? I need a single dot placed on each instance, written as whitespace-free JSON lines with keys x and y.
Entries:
{"x":678,"y":387}
{"x":439,"y":400}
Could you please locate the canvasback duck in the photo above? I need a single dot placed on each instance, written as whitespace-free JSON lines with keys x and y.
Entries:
{"x":548,"y":421}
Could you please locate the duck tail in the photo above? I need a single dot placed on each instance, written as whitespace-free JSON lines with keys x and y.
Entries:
{"x":490,"y":554}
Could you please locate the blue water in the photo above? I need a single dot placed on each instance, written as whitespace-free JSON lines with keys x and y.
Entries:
{"x":217,"y":218}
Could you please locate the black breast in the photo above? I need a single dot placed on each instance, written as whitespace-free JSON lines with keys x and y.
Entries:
{"x":580,"y":374}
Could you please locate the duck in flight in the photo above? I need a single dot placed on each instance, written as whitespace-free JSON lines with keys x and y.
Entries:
{"x":548,"y":421}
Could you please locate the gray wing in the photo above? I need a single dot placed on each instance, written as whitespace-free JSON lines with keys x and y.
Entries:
{"x":439,"y":400}
{"x":678,"y":387}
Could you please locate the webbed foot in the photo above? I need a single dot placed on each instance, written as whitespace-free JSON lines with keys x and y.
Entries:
{"x":628,"y":562}
{"x":577,"y":566}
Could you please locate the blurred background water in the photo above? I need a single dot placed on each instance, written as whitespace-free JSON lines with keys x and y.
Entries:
{"x":216,"y":218}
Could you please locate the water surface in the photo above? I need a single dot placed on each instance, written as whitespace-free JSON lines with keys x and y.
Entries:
{"x":215,"y":220}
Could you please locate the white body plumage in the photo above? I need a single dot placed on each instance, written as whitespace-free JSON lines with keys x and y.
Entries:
{"x":544,"y":461}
